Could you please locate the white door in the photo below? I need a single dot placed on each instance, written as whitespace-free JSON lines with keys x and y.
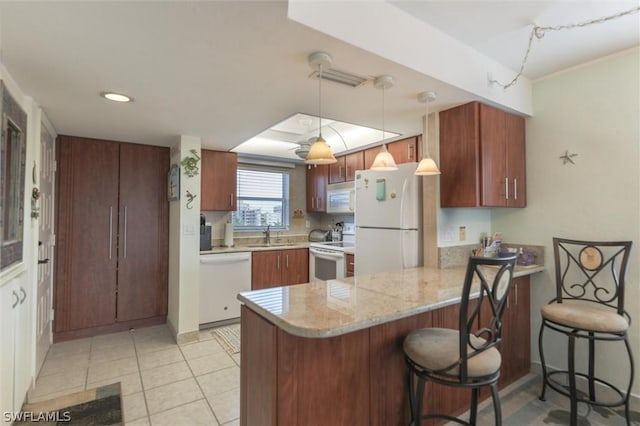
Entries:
{"x":46,"y":248}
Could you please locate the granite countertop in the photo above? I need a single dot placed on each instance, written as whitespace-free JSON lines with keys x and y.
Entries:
{"x":336,"y":307}
{"x":256,"y":247}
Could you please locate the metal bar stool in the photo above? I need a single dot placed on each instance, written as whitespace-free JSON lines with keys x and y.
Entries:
{"x":463,"y":357}
{"x":589,"y":304}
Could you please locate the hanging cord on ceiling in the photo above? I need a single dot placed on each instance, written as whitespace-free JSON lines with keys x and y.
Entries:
{"x":539,"y":32}
{"x":320,"y":101}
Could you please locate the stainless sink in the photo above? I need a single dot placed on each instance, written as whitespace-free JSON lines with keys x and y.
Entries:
{"x":271,"y":245}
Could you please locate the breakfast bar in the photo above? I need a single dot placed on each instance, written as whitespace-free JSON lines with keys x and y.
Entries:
{"x":330,"y":353}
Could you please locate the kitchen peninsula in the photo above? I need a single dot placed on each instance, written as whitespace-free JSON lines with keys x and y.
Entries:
{"x":330,"y":353}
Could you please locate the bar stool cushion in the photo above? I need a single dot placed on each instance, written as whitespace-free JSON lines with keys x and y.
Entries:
{"x":585,"y":317}
{"x":437,"y":348}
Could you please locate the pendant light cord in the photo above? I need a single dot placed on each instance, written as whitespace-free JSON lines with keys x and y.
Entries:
{"x":383,"y":135}
{"x":320,"y":100}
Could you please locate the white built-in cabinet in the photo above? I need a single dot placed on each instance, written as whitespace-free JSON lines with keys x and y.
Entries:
{"x":16,"y":353}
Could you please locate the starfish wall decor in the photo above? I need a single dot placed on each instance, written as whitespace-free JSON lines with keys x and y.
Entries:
{"x":567,"y":158}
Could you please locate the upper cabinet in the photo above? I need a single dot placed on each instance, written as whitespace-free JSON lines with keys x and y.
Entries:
{"x":317,"y":179}
{"x":403,"y":151}
{"x":344,"y":170}
{"x":482,"y":157}
{"x":218,"y":184}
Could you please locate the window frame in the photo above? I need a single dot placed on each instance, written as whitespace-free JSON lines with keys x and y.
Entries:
{"x":286,"y":198}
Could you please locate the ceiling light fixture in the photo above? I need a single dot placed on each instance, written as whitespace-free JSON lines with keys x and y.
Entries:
{"x":320,"y":151}
{"x":384,"y":160}
{"x":427,"y":166}
{"x":116,"y":97}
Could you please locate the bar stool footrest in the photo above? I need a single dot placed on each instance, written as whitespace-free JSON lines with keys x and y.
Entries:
{"x":564,"y":389}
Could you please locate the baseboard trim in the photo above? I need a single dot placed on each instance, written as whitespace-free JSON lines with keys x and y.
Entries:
{"x":106,"y":329}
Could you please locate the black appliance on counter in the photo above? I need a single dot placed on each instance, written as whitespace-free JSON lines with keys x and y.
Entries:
{"x":205,"y":234}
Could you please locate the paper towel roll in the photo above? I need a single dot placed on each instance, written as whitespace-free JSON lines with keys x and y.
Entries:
{"x":228,"y":234}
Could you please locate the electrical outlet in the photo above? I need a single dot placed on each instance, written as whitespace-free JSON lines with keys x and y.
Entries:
{"x":462,"y":233}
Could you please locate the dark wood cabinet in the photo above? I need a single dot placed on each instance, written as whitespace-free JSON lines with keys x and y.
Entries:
{"x":482,"y":157}
{"x":344,"y":170}
{"x":405,"y":150}
{"x":317,"y":179}
{"x":337,"y":170}
{"x":218,"y":181}
{"x":351,"y":265}
{"x":112,"y":236}
{"x":353,"y":162}
{"x":273,"y":268}
{"x":369,"y":155}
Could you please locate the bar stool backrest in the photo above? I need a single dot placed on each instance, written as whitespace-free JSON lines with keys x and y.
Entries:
{"x":494,"y":276}
{"x":592,"y":271}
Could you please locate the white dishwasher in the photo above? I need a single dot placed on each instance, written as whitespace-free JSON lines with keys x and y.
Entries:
{"x":222,"y":277}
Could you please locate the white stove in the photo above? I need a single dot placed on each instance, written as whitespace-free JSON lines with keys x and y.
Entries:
{"x":327,"y":259}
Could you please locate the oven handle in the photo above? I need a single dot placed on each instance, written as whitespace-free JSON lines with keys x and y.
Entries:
{"x":323,"y":254}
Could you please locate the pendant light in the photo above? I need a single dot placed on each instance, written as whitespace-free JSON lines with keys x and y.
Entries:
{"x":384,"y":160}
{"x":320,"y":151}
{"x":427,"y":166}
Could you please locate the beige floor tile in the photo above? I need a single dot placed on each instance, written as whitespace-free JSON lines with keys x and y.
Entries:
{"x":219,"y":382}
{"x":172,"y":395}
{"x":33,"y":397}
{"x":143,"y":421}
{"x":113,"y":339}
{"x":236,"y":358}
{"x":226,"y":405}
{"x":210,"y":363}
{"x":165,"y":374}
{"x":110,"y":369}
{"x":163,"y":357}
{"x":112,"y":353}
{"x":64,"y":364}
{"x":56,"y":383}
{"x":64,"y":349}
{"x":129,"y":383}
{"x":134,"y":407}
{"x":146,"y":332}
{"x":205,"y":335}
{"x":235,"y":422}
{"x":193,"y":414}
{"x":200,"y":349}
{"x":155,"y":343}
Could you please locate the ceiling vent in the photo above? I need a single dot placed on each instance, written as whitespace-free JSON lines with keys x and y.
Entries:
{"x":340,"y":77}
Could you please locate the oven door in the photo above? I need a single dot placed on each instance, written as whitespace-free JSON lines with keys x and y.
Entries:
{"x":325,"y":264}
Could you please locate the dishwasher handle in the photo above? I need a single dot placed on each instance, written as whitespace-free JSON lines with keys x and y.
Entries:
{"x":226,"y":258}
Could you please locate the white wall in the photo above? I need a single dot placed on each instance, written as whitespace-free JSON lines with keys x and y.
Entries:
{"x":594,"y":111}
{"x":184,"y":248}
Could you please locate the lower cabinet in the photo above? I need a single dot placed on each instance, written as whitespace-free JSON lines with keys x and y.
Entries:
{"x":15,"y":357}
{"x":359,"y":378}
{"x":274,"y":268}
{"x":351,"y":265}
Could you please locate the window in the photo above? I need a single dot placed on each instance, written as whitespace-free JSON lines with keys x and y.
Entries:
{"x":263,"y":199}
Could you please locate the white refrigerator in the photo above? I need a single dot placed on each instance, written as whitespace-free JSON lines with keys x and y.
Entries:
{"x":388,"y":219}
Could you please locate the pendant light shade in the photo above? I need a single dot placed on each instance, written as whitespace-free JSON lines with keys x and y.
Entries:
{"x":384,"y":160}
{"x":320,"y":151}
{"x":427,"y":166}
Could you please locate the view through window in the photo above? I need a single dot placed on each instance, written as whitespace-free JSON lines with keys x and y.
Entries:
{"x":263,"y":199}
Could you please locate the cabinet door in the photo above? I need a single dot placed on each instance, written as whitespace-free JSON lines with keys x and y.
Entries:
{"x":495,"y":180}
{"x":353,"y":162}
{"x":369,"y":156}
{"x":295,"y":266}
{"x":517,"y":342}
{"x":337,"y":170}
{"x":516,"y":163}
{"x":317,"y":179}
{"x":143,"y":232}
{"x":351,"y":265}
{"x":219,"y":180}
{"x":459,"y":156}
{"x":404,"y":151}
{"x":266,"y":269}
{"x":9,"y":301}
{"x":86,"y":246}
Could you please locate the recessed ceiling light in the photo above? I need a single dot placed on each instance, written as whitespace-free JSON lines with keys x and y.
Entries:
{"x":116,"y":97}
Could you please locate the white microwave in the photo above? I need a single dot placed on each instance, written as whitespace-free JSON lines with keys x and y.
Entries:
{"x":341,"y":197}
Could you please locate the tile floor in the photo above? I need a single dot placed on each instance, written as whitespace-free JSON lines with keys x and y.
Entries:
{"x":162,"y":383}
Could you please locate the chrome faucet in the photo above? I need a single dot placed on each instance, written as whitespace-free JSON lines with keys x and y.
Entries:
{"x":267,"y":235}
